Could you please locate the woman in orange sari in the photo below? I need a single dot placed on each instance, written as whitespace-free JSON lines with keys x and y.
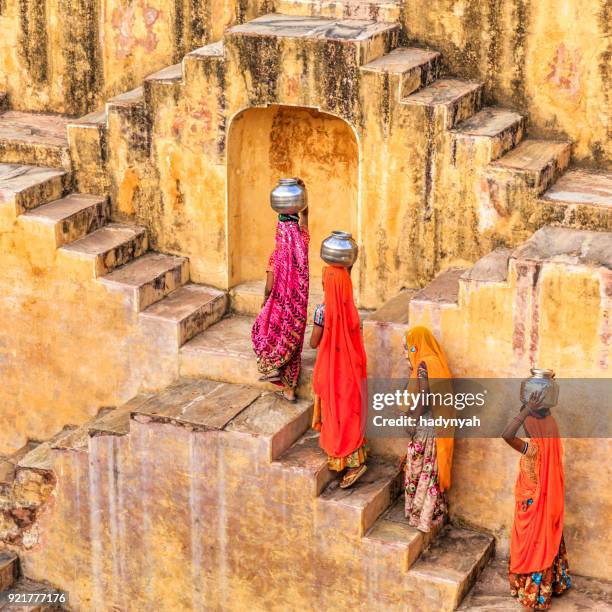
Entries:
{"x":538,"y":558}
{"x":429,"y":455}
{"x":340,"y":377}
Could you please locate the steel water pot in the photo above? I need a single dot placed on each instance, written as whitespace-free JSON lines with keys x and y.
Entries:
{"x":541,"y":380}
{"x":288,"y":197}
{"x":339,"y":249}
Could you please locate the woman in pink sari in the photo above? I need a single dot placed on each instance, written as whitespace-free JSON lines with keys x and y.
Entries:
{"x":278,"y":331}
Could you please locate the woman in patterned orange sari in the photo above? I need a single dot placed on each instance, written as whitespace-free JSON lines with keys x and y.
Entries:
{"x":538,"y":558}
{"x":429,"y":456}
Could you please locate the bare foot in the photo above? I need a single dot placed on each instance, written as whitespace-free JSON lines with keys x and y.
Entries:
{"x":287,"y":394}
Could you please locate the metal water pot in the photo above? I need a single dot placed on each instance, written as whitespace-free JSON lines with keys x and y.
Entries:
{"x":541,"y":380}
{"x":288,"y":197}
{"x":339,"y":249}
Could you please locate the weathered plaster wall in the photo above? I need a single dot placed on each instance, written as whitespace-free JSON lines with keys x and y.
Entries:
{"x":68,"y":345}
{"x":70,"y":56}
{"x":549,"y":59}
{"x":209,"y":523}
{"x":267,"y":144}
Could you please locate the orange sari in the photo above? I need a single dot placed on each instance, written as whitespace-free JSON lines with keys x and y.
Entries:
{"x":538,"y":524}
{"x":428,"y":350}
{"x":340,"y":370}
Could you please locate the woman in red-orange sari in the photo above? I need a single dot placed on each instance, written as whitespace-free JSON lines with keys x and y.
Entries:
{"x":340,"y":377}
{"x":538,"y":559}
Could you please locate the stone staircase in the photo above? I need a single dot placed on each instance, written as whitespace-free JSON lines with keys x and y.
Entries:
{"x":272,"y":467}
{"x":89,"y":246}
{"x":515,"y":185}
{"x":477,"y":179}
{"x":508,"y":280}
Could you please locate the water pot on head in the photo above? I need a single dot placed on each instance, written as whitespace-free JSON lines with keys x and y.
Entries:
{"x":339,"y":249}
{"x":541,"y":380}
{"x":288,"y":197}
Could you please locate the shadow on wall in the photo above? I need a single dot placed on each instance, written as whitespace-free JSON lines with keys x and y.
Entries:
{"x":266,"y":144}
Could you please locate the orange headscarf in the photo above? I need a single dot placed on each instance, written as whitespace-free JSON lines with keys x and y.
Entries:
{"x":538,"y":527}
{"x":340,"y":369}
{"x":428,"y":350}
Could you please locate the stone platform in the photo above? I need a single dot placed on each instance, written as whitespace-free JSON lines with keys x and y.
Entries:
{"x":491,"y":592}
{"x":34,"y":138}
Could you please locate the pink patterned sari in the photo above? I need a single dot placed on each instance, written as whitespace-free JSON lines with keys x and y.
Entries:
{"x":278,"y":331}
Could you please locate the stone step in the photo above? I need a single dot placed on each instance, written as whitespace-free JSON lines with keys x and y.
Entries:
{"x":536,"y":163}
{"x":567,"y":246}
{"x":440,"y":295}
{"x":383,"y":337}
{"x":251,"y":415}
{"x":9,"y":570}
{"x":374,"y":10}
{"x":128,"y":122}
{"x":445,"y":572}
{"x":148,"y":278}
{"x":26,"y":187}
{"x":582,"y":187}
{"x":354,"y":510}
{"x":442,"y":290}
{"x":26,"y":586}
{"x":367,"y":39}
{"x":307,"y":463}
{"x":273,"y":423}
{"x":76,"y":439}
{"x":491,"y":592}
{"x":108,"y":248}
{"x":454,"y":99}
{"x":580,"y":198}
{"x":33,"y":484}
{"x":8,"y":466}
{"x":408,"y":69}
{"x":163,"y":83}
{"x":117,"y":422}
{"x":500,"y":128}
{"x":247,"y":298}
{"x":224,"y":352}
{"x":40,"y":458}
{"x":188,"y":311}
{"x":492,"y":268}
{"x":34,"y":138}
{"x":69,"y":218}
{"x":88,"y":149}
{"x":393,"y":542}
{"x":126,"y":100}
{"x":168,"y":75}
{"x":93,"y":120}
{"x":198,"y":62}
{"x":204,"y":404}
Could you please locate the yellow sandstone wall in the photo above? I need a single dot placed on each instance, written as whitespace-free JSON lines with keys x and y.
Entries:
{"x":549,"y":59}
{"x":67,"y":345}
{"x":69,"y":56}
